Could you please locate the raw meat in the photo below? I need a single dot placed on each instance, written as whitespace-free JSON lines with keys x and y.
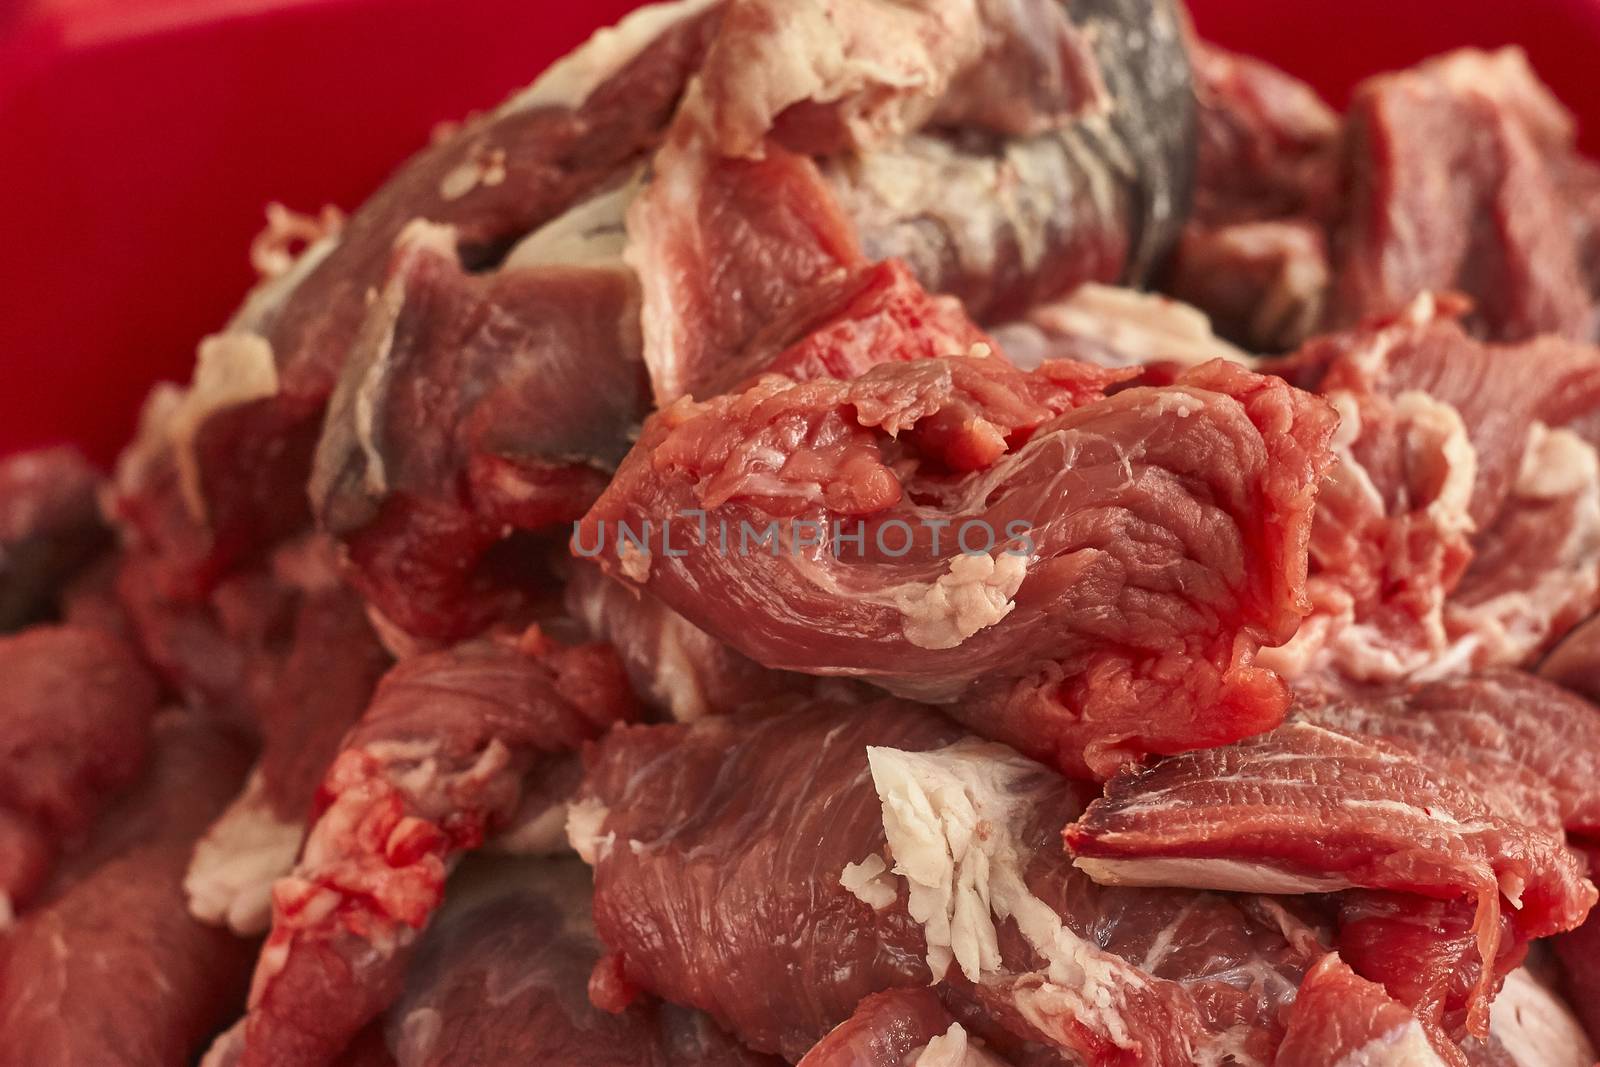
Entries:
{"x":1575,"y":663}
{"x":1340,"y":1019}
{"x":75,"y":711}
{"x":1518,"y":735}
{"x":501,"y":979}
{"x":437,"y":763}
{"x":1103,"y":572}
{"x":1310,"y":809}
{"x":675,"y":666}
{"x":706,"y":837}
{"x":737,"y":226}
{"x":110,"y":969}
{"x":220,"y":472}
{"x":49,"y":527}
{"x":1459,"y":527}
{"x":888,"y":1029}
{"x":1453,"y":167}
{"x":321,"y":684}
{"x":1254,"y":255}
{"x":458,"y":418}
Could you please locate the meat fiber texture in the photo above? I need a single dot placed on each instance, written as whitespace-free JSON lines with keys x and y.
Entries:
{"x":439,"y":761}
{"x":1051,"y":562}
{"x":1458,"y":174}
{"x":893,"y":853}
{"x":50,"y":527}
{"x":75,"y":711}
{"x":1459,"y":525}
{"x":502,"y":978}
{"x":110,"y":968}
{"x":1447,"y":802}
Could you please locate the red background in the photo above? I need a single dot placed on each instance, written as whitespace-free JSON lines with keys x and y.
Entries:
{"x":139,"y":140}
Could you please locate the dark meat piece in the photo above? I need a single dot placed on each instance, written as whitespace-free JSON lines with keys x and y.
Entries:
{"x":1006,"y":223}
{"x":75,"y":710}
{"x":1120,"y":554}
{"x":675,"y":666}
{"x":471,"y":406}
{"x":1263,"y":284}
{"x":1575,"y":663}
{"x":437,"y":764}
{"x":1455,"y":186}
{"x":1268,"y":145}
{"x":1459,"y":526}
{"x":1579,"y":956}
{"x":738,"y":228}
{"x":834,"y":825}
{"x":111,"y":969}
{"x":226,"y":476}
{"x":49,"y":527}
{"x":501,"y":980}
{"x":1311,"y":809}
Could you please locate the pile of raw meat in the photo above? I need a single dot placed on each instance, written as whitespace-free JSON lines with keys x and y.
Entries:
{"x":899,"y":533}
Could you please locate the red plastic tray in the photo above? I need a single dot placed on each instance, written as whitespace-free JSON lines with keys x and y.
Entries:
{"x":139,"y":140}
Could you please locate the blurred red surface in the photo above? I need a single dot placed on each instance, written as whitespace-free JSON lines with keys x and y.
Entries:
{"x":140,"y":140}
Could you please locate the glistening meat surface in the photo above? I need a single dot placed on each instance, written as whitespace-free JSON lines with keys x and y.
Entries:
{"x":1311,"y":809}
{"x":440,"y":760}
{"x":886,"y":867}
{"x":1049,"y":561}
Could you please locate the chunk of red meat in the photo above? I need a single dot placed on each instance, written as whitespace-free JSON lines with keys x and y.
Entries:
{"x":1263,"y":284}
{"x":1311,"y":809}
{"x":723,"y":247}
{"x":1458,"y":526}
{"x":1140,"y":547}
{"x":322,"y":680}
{"x":1341,"y":1018}
{"x":707,"y":837}
{"x":887,"y":1029}
{"x":1253,"y":255}
{"x":470,"y":405}
{"x":1425,"y":953}
{"x":436,"y":764}
{"x":736,"y":228}
{"x":50,"y":527}
{"x":594,"y":118}
{"x":75,"y":710}
{"x":110,"y":968}
{"x":1453,"y":188}
{"x":502,"y":976}
{"x":1267,"y":143}
{"x":675,"y":666}
{"x":1579,"y":953}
